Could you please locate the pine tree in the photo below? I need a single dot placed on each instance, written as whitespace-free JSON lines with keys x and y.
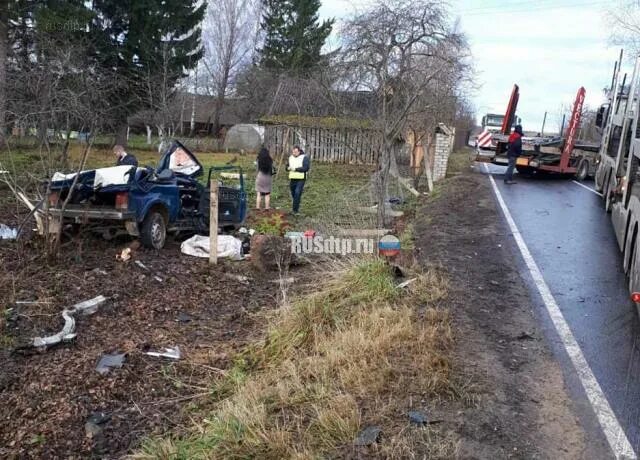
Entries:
{"x":294,"y":36}
{"x":146,"y":40}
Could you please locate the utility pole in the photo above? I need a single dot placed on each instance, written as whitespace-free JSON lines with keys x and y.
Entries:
{"x":544,"y":120}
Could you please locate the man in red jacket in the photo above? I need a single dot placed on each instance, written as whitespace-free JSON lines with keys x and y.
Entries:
{"x":513,"y":152}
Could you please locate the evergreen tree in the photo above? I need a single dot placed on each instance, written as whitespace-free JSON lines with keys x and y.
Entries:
{"x":294,"y":37}
{"x":150,"y":43}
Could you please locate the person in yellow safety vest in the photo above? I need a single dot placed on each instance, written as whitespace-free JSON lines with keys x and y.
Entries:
{"x":298,"y":168}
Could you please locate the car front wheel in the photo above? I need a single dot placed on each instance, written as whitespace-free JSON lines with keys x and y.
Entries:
{"x":154,"y":230}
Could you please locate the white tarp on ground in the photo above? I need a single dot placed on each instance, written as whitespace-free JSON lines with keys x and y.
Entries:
{"x":200,"y":246}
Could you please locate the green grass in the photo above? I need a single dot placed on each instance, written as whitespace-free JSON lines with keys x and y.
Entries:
{"x":325,"y":182}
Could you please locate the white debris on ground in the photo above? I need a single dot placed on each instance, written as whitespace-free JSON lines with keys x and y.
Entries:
{"x":200,"y":246}
{"x":88,"y":307}
{"x":8,"y":233}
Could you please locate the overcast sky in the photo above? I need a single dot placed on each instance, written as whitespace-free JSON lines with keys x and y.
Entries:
{"x":548,"y":47}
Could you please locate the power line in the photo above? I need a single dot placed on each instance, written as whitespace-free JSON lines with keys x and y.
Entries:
{"x":536,"y":6}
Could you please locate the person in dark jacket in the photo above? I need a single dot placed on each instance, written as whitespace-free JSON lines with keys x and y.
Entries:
{"x":513,"y":152}
{"x":298,"y":167}
{"x":263,"y":179}
{"x":123,"y":157}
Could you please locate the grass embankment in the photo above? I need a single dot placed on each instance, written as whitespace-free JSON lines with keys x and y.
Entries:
{"x":354,"y":353}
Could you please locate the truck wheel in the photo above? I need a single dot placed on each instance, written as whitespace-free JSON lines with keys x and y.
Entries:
{"x":525,"y":170}
{"x":154,"y":230}
{"x":582,"y":171}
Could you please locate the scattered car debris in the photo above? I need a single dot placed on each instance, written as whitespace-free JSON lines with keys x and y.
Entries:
{"x":92,"y":430}
{"x":368,"y":436}
{"x":30,"y":302}
{"x":125,"y":255}
{"x":404,"y":284}
{"x":110,"y":361}
{"x":172,"y":353}
{"x":240,"y":278}
{"x":99,"y":417}
{"x":417,"y":417}
{"x":99,"y":271}
{"x":184,"y":317}
{"x":8,"y":233}
{"x":289,"y":280}
{"x":88,"y":307}
{"x":158,"y":279}
{"x":141,"y":265}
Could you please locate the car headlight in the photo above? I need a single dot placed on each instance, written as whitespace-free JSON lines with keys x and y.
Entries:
{"x":534,"y":163}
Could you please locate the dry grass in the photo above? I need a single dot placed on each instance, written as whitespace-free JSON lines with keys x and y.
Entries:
{"x":348,"y":355}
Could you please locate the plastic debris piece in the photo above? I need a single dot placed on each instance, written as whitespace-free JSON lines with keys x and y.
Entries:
{"x":99,"y":417}
{"x":125,"y":255}
{"x":417,"y":417}
{"x":172,"y":353}
{"x":108,"y":362}
{"x":67,"y":333}
{"x":141,"y":265}
{"x":368,"y":436}
{"x":184,"y":317}
{"x":8,"y":233}
{"x":404,"y":284}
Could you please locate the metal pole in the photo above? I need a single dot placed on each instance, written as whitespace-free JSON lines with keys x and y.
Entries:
{"x":544,"y":120}
{"x":213,"y":223}
{"x":562,"y":126}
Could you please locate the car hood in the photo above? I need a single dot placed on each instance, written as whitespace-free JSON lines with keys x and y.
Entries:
{"x":181,"y":161}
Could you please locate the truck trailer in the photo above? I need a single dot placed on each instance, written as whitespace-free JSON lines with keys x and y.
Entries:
{"x":618,"y":175}
{"x":561,"y":155}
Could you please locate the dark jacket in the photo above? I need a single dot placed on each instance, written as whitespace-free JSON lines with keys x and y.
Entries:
{"x":515,"y":143}
{"x":127,"y":160}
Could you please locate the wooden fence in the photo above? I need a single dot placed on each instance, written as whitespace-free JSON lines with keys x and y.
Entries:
{"x":326,"y":145}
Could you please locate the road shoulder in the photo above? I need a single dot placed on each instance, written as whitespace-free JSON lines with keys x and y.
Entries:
{"x":518,"y":405}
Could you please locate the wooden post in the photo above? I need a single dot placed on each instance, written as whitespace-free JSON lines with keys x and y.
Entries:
{"x":213,"y":223}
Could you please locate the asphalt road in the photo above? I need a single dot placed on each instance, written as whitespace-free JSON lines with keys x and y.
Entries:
{"x":571,"y":239}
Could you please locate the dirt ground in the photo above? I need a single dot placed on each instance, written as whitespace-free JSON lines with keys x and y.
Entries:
{"x":48,"y":397}
{"x":513,"y":405}
{"x":518,"y":404}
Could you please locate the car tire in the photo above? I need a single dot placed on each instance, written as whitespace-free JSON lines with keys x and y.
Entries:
{"x":153,"y":233}
{"x":582,"y":170}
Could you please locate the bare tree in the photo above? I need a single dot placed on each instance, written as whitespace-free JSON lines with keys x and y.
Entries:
{"x":230,"y":32}
{"x":4,"y":43}
{"x":624,"y":19}
{"x":398,"y":49}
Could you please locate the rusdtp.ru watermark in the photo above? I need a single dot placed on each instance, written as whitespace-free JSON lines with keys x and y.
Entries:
{"x":342,"y":246}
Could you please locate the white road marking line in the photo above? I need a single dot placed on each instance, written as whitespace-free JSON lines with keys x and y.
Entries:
{"x":608,"y":422}
{"x":588,"y":188}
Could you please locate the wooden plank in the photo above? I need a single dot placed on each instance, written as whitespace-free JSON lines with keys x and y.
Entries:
{"x":213,"y":223}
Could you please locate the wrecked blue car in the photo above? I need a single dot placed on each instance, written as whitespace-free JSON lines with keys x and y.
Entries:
{"x":146,"y":202}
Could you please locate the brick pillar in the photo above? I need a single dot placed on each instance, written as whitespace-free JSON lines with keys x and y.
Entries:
{"x":444,"y":144}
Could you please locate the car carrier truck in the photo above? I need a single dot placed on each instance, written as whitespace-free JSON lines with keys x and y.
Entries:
{"x":618,"y":175}
{"x":562,"y":155}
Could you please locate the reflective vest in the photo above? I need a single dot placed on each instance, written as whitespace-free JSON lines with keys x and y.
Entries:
{"x":296,"y":162}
